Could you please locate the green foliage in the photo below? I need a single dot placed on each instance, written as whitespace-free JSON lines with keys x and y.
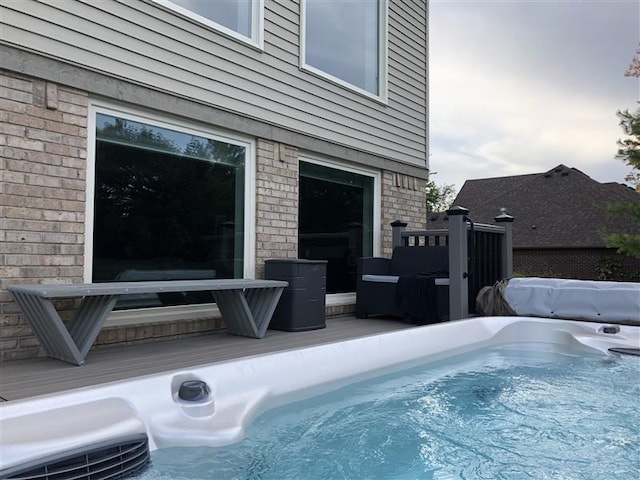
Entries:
{"x":439,"y":198}
{"x":612,"y":269}
{"x":630,"y":209}
{"x":626,"y":243}
{"x":629,"y":152}
{"x":542,"y":271}
{"x":609,"y":269}
{"x":629,"y":148}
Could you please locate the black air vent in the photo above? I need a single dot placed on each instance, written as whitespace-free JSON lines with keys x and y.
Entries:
{"x":117,"y":459}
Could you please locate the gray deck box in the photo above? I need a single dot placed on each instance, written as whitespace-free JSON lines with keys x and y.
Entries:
{"x":302,"y":304}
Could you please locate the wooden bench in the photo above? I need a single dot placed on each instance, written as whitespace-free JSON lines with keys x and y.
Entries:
{"x":246,"y":307}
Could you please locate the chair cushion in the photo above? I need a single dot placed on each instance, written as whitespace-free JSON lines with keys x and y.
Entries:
{"x":394,"y":279}
{"x":380,"y":278}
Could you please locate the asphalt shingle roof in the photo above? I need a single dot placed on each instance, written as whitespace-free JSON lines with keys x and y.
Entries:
{"x":561,"y":208}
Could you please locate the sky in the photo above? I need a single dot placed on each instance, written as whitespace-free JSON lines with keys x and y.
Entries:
{"x":521,"y":86}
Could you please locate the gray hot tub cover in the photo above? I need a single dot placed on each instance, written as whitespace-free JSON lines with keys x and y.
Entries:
{"x":561,"y":298}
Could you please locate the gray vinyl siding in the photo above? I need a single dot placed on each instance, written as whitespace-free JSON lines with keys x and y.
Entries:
{"x":141,"y":42}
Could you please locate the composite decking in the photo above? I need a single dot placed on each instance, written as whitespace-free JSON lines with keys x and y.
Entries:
{"x":21,"y":379}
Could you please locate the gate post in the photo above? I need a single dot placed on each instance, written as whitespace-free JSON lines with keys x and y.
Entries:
{"x":458,"y":264}
{"x":397,"y":228}
{"x":506,"y":245}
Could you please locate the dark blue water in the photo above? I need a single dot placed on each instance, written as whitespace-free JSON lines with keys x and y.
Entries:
{"x":500,"y":414}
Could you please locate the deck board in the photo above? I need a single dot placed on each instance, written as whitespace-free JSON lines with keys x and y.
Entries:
{"x":21,"y":379}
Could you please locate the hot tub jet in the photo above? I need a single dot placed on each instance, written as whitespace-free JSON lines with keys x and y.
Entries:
{"x":193,"y":391}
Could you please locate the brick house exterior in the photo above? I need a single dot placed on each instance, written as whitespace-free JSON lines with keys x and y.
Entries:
{"x":559,"y":215}
{"x":46,"y":117}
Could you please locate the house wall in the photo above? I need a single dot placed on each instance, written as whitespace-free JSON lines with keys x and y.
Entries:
{"x":403,"y":198}
{"x":276,"y":203}
{"x":56,"y":56}
{"x":42,"y":207}
{"x":578,"y":263}
{"x":145,"y":44}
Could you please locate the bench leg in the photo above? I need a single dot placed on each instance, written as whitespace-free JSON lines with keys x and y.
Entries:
{"x":49,"y":328}
{"x":89,"y":319}
{"x":248,"y":312}
{"x":263,"y":302}
{"x":69,"y":345}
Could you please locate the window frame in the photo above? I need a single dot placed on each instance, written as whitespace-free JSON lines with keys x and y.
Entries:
{"x":367,"y":172}
{"x":257,"y":22}
{"x":165,"y":121}
{"x":383,"y":29}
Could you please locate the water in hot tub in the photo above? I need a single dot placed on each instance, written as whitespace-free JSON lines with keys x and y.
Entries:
{"x":495,"y":414}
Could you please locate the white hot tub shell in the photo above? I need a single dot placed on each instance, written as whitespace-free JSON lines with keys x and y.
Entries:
{"x":241,"y":389}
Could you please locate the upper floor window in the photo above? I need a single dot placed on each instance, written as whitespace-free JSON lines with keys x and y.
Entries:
{"x":239,"y":18}
{"x":345,"y":40}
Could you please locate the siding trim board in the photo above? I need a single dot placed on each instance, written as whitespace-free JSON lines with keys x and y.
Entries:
{"x":347,"y":95}
{"x":353,"y":101}
{"x":143,"y":43}
{"x":287,"y":110}
{"x":97,"y":83}
{"x":393,"y":133}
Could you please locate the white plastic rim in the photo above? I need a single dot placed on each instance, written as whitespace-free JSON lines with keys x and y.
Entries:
{"x":241,"y":389}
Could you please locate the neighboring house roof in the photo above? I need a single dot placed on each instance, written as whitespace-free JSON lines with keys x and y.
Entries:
{"x":561,"y":208}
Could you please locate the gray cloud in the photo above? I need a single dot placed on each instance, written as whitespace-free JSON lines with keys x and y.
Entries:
{"x":518,"y":87}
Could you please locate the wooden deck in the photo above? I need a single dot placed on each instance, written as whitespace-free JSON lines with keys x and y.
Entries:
{"x":27,"y":378}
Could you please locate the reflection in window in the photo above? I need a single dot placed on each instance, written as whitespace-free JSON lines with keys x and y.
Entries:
{"x":335,"y":221}
{"x":168,"y":205}
{"x":236,"y":15}
{"x":343,"y":39}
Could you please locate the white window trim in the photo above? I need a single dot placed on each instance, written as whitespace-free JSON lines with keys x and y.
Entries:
{"x":140,"y":316}
{"x":257,"y":22}
{"x":137,"y":316}
{"x":377,"y":189}
{"x":125,"y":318}
{"x":383,"y":77}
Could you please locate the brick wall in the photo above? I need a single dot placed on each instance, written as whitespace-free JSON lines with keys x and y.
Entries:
{"x":158,"y":331}
{"x":276,"y":203}
{"x":403,"y":198}
{"x":580,"y":264}
{"x":42,"y":194}
{"x":43,"y":136}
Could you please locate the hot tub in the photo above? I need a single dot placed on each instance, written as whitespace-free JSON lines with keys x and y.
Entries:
{"x":50,"y":427}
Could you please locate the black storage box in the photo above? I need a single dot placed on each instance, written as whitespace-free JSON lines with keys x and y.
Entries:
{"x":302,"y":304}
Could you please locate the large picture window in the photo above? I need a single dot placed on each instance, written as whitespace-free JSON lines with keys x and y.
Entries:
{"x":167,"y":204}
{"x":239,"y":18}
{"x":345,"y":40}
{"x":336,"y":221}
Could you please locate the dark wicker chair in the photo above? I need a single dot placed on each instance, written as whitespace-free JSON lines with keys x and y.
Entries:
{"x":377,"y":281}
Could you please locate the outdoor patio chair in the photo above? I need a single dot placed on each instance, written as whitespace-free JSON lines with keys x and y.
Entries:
{"x":417,"y":270}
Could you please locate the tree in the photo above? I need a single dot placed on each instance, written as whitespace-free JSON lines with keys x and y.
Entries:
{"x":439,"y":198}
{"x":629,"y":148}
{"x":634,"y":68}
{"x":628,"y":152}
